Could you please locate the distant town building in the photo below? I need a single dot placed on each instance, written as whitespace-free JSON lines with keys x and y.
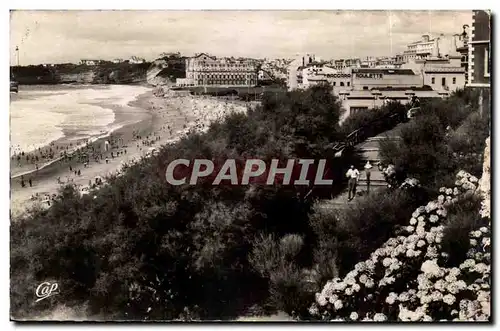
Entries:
{"x":117,"y":61}
{"x":462,"y":47}
{"x":90,"y":62}
{"x":204,"y":70}
{"x":421,"y":49}
{"x":444,"y":75}
{"x":136,"y":60}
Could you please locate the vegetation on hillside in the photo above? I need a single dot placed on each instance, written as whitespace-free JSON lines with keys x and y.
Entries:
{"x":142,"y":249}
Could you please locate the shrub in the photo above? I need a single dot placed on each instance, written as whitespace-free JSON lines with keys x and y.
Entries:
{"x":463,"y":217}
{"x":352,"y":233}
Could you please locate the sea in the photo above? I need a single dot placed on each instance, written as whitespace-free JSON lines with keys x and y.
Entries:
{"x":42,"y":114}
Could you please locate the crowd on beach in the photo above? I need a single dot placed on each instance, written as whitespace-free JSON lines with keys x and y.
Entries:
{"x":197,"y":113}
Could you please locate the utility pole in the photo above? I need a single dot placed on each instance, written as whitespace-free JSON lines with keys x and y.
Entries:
{"x":17,"y":55}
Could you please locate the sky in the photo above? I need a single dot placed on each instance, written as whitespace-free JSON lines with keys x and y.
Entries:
{"x":69,"y":36}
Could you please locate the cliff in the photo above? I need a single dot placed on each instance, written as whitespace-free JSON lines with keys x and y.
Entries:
{"x":165,"y":70}
{"x":106,"y":73}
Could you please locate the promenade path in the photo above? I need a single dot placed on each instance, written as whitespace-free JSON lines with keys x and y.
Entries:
{"x":369,"y":150}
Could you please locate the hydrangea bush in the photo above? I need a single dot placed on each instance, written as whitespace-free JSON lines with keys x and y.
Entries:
{"x":404,"y":279}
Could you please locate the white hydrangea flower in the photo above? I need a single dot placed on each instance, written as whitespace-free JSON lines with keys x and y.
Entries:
{"x":356,"y":287}
{"x":403,"y":297}
{"x":442,"y":189}
{"x":391,"y":298}
{"x":450,"y":278}
{"x":425,"y":299}
{"x":429,"y":237}
{"x":360,"y":266}
{"x":430,"y":267}
{"x":363,"y":278}
{"x":420,"y":231}
{"x":410,"y":229}
{"x":441,"y":198}
{"x":449,"y":299}
{"x":313,"y":310}
{"x":473,"y":242}
{"x":469,"y":263}
{"x":432,"y":252}
{"x":442,"y":212}
{"x":379,"y":317}
{"x":476,"y":234}
{"x":390,"y":280}
{"x":321,"y":300}
{"x":413,"y":221}
{"x":387,"y":262}
{"x":449,"y":191}
{"x":483,"y":229}
{"x":473,"y":179}
{"x":452,"y":288}
{"x":415,"y":214}
{"x":354,"y":316}
{"x":474,"y":287}
{"x":439,"y":285}
{"x":352,"y":274}
{"x":420,"y":243}
{"x":456,"y":191}
{"x":350,"y":281}
{"x":461,"y":285}
{"x":454,"y":271}
{"x":369,"y":283}
{"x":433,"y":218}
{"x":481,"y":268}
{"x":436,"y":296}
{"x":338,"y":304}
{"x":438,"y":239}
{"x":349,"y":291}
{"x":370,"y":265}
{"x":410,"y":253}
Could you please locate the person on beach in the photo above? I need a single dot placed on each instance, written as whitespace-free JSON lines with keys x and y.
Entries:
{"x":30,"y":182}
{"x":22,"y":182}
{"x":70,"y":168}
{"x":79,"y":172}
{"x":368,"y":170}
{"x":353,"y":175}
{"x":107,"y":160}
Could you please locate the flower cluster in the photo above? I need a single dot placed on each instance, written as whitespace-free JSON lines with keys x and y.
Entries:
{"x":410,"y":183}
{"x":402,"y":280}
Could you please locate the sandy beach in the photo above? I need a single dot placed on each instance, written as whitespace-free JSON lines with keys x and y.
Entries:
{"x":154,"y":121}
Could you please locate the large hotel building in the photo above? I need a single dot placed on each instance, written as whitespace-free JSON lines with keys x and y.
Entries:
{"x":206,"y":70}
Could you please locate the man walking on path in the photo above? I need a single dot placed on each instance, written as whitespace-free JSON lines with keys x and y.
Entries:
{"x":353,"y":175}
{"x":368,"y":170}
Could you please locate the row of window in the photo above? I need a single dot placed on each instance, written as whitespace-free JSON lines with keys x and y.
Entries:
{"x":341,"y":84}
{"x":221,"y":65}
{"x":232,"y":76}
{"x":226,"y":82}
{"x":443,"y":80}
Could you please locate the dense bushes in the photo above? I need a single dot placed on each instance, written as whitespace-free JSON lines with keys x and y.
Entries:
{"x":448,"y":135}
{"x":141,"y":249}
{"x":352,"y":233}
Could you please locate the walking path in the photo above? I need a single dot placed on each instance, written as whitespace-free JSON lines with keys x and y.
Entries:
{"x":369,"y":151}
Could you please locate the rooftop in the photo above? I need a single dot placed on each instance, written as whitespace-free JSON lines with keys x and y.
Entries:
{"x":383,"y":71}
